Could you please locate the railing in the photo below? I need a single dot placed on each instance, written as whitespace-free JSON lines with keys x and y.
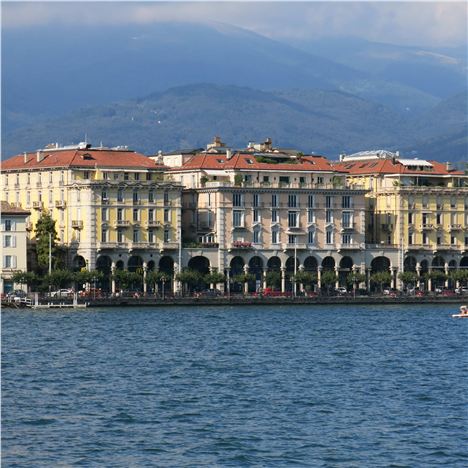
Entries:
{"x":122,"y":222}
{"x":348,"y":227}
{"x":347,"y":246}
{"x":104,"y":201}
{"x":283,"y":185}
{"x":169,"y":245}
{"x":455,"y":227}
{"x":154,"y":223}
{"x":76,"y":224}
{"x":292,"y":246}
{"x":381,"y":246}
{"x":427,"y":226}
{"x":37,"y":205}
{"x":241,"y":245}
{"x":60,"y":204}
{"x":387,"y":227}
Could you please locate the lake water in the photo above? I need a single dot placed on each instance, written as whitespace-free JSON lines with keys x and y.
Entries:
{"x":325,"y":386}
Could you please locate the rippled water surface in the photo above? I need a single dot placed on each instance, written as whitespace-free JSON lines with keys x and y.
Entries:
{"x":330,"y":386}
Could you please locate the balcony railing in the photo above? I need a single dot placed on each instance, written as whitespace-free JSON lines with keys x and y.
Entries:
{"x":37,"y":205}
{"x":347,"y":246}
{"x":295,"y":245}
{"x":169,"y":245}
{"x":122,"y":222}
{"x":426,"y":227}
{"x":60,"y":204}
{"x":241,"y":245}
{"x":77,"y":224}
{"x":154,"y":223}
{"x":348,"y":227}
{"x":456,"y":227}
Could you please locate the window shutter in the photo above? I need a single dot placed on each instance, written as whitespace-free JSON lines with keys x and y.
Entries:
{"x":13,"y":261}
{"x":13,"y":241}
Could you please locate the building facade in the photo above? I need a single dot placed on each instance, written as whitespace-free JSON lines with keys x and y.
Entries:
{"x":14,"y":245}
{"x":417,"y":210}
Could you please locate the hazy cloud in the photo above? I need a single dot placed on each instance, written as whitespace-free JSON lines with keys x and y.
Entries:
{"x":415,"y":23}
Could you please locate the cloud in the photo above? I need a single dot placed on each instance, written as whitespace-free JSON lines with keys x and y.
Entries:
{"x":422,"y":23}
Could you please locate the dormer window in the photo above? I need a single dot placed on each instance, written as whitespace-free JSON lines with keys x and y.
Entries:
{"x":87,"y":156}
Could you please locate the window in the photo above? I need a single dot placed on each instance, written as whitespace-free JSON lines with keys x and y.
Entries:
{"x":103,"y":235}
{"x":319,"y":180}
{"x":274,"y":236}
{"x":104,"y":214}
{"x":328,"y":201}
{"x":453,"y":240}
{"x":410,"y":218}
{"x":274,"y":216}
{"x":9,"y":241}
{"x":28,"y":199}
{"x":424,"y":238}
{"x":137,"y":176}
{"x":274,"y":200}
{"x":126,"y":176}
{"x":256,"y":216}
{"x":120,"y":214}
{"x":166,"y":215}
{"x":256,"y":200}
{"x":439,"y":218}
{"x":310,"y":216}
{"x":105,"y":175}
{"x":329,"y":236}
{"x":256,"y":236}
{"x":311,"y":236}
{"x":425,"y":218}
{"x":85,"y":175}
{"x":346,"y":201}
{"x":148,"y":176}
{"x":237,"y":199}
{"x":166,"y":235}
{"x":346,"y":219}
{"x":410,"y":238}
{"x":120,"y":237}
{"x":453,"y":202}
{"x":346,"y":239}
{"x":104,"y":196}
{"x":292,"y":201}
{"x":292,"y":239}
{"x":293,"y":219}
{"x":439,"y":240}
{"x":136,"y":235}
{"x":238,"y":218}
{"x":78,"y":196}
{"x":310,"y":201}
{"x":136,"y":214}
{"x":135,"y":197}
{"x":302,"y":180}
{"x":120,"y":195}
{"x":29,"y":178}
{"x":284,"y":180}
{"x":150,"y":215}
{"x":266,"y":178}
{"x":329,"y":216}
{"x":166,"y":197}
{"x":425,"y":201}
{"x":151,"y":196}
{"x":9,"y":261}
{"x":50,"y":178}
{"x":8,"y":225}
{"x":151,"y":236}
{"x":116,"y":176}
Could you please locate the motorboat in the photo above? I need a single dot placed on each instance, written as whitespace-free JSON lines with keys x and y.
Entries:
{"x":463,"y":312}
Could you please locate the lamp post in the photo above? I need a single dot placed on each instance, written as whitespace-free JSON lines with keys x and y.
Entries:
{"x":94,"y":286}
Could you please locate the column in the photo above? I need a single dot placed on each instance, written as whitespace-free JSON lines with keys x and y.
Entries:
{"x":393,"y":271}
{"x":113,"y":268}
{"x":246,"y":283}
{"x":176,"y":287}
{"x":429,"y":281}
{"x":283,"y":279}
{"x":212,"y":285}
{"x":337,"y":282}
{"x":319,"y":278}
{"x":368,"y":273}
{"x":301,"y":285}
{"x":264,"y":278}
{"x":228,"y":281}
{"x":145,"y":272}
{"x":418,"y":274}
{"x":446,"y":268}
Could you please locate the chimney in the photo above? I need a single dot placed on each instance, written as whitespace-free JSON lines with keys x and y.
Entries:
{"x":228,"y":153}
{"x":39,"y":156}
{"x":448,"y":166}
{"x":342,"y":156}
{"x":397,"y":154}
{"x":25,"y":157}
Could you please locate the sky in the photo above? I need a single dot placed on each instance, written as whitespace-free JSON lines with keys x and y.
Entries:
{"x":417,"y":23}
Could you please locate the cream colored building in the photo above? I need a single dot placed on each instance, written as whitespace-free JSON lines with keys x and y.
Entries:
{"x":259,"y":209}
{"x":417,"y":210}
{"x":14,"y":245}
{"x":111,"y":205}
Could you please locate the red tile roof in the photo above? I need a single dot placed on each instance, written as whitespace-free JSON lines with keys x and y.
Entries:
{"x":387,"y":166}
{"x":82,"y":158}
{"x":11,"y":210}
{"x":246,"y":161}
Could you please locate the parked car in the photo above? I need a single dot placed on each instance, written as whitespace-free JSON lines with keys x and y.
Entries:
{"x":210,"y":293}
{"x":461,"y":290}
{"x":17,"y":295}
{"x":62,"y":293}
{"x":341,"y":291}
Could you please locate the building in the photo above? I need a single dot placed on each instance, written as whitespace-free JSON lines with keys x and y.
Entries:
{"x":267,"y":209}
{"x":417,"y":210}
{"x":14,"y":244}
{"x":111,"y":205}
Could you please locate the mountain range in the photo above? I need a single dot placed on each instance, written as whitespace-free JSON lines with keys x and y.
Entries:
{"x":178,"y":84}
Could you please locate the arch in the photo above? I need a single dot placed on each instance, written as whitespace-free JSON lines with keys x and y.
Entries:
{"x":328,"y":263}
{"x":237,"y":265}
{"x":380,"y":264}
{"x":464,"y":262}
{"x":452,"y":264}
{"x":310,"y":265}
{"x":150,"y":265}
{"x":120,"y":265}
{"x":346,"y":263}
{"x":134,"y":263}
{"x":78,"y":263}
{"x":438,"y":262}
{"x":256,"y":267}
{"x":166,"y":265}
{"x":424,"y":266}
{"x":274,"y":264}
{"x":290,"y":264}
{"x":104,"y":264}
{"x":409,"y":264}
{"x":200,"y":264}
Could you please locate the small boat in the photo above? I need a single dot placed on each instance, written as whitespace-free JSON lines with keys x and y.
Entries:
{"x":463,"y":312}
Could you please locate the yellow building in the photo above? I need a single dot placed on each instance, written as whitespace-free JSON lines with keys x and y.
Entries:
{"x":111,"y":206}
{"x":417,"y":210}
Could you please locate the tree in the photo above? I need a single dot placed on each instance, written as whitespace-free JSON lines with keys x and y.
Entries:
{"x":244,"y":278}
{"x":381,"y":278}
{"x":59,"y":278}
{"x":84,"y":277}
{"x":305,"y":278}
{"x":155,"y":277}
{"x":328,"y":279}
{"x":436,"y":276}
{"x":273,"y":279}
{"x":125,"y":279}
{"x":460,"y":276}
{"x":214,"y":278}
{"x":190,"y":278}
{"x":25,"y":277}
{"x":45,"y":230}
{"x":408,"y":278}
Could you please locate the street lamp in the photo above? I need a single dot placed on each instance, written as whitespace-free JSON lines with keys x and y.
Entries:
{"x":94,"y":286}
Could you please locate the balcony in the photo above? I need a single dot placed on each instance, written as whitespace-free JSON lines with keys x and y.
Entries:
{"x":204,"y":227}
{"x":241,"y":245}
{"x":29,"y":226}
{"x":347,"y":247}
{"x":38,"y":205}
{"x":348,"y":227}
{"x":456,"y":227}
{"x":38,"y":184}
{"x":294,"y":228}
{"x":387,"y":227}
{"x":104,"y":201}
{"x":122,"y":223}
{"x":294,"y":245}
{"x":427,"y":227}
{"x":61,"y":204}
{"x":154,"y":223}
{"x":76,"y":224}
{"x":168,"y":245}
{"x":239,"y":226}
